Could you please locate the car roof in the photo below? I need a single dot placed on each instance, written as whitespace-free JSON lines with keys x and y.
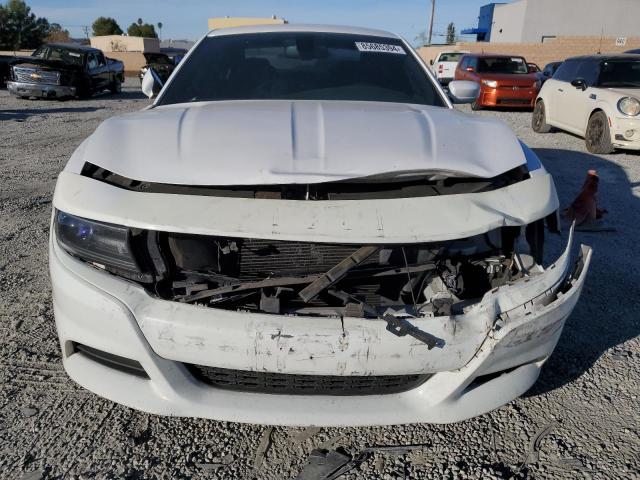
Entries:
{"x":614,"y":56}
{"x":289,"y":27}
{"x":73,"y":46}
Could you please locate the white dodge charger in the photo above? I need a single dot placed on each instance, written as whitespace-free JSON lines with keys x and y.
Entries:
{"x":301,"y":230}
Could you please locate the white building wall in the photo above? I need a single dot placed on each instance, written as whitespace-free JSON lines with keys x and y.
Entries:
{"x":530,"y":20}
{"x":508,"y":22}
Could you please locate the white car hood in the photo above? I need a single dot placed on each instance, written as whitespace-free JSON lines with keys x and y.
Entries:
{"x":626,"y":92}
{"x":279,"y":142}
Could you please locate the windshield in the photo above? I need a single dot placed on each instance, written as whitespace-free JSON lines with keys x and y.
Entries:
{"x":301,"y":66}
{"x":450,"y":57}
{"x":620,"y":73}
{"x":502,"y":65}
{"x":60,"y":54}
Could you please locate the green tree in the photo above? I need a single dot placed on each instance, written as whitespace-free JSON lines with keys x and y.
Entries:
{"x":19,"y":28}
{"x":105,"y":26}
{"x":451,"y":34}
{"x":141,"y":29}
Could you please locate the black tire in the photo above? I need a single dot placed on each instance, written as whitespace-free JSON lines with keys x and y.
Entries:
{"x":539,"y":119}
{"x":475,"y":106}
{"x":598,"y":137}
{"x":116,"y":86}
{"x":83,"y":92}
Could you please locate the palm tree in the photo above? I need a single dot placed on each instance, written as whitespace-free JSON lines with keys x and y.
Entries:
{"x":160,"y":29}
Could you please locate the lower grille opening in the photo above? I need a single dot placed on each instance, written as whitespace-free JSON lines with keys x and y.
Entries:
{"x":122,"y":364}
{"x":514,"y":101}
{"x":292,"y":384}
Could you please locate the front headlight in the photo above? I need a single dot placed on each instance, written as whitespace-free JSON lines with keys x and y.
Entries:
{"x":490,"y":83}
{"x":104,"y":245}
{"x":629,"y":106}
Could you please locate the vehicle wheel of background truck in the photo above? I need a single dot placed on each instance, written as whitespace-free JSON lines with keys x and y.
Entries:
{"x":116,"y":86}
{"x":539,"y":119}
{"x":598,"y":136}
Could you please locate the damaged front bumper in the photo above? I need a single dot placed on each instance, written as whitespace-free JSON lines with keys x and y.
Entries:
{"x":39,"y":90}
{"x":485,"y":357}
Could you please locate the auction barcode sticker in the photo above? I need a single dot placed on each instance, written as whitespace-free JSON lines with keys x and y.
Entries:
{"x":380,"y":47}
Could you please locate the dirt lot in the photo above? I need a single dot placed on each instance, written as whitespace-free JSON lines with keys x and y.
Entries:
{"x":588,"y":392}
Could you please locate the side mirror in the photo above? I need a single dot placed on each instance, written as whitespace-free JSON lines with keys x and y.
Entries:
{"x":463,"y":91}
{"x":151,"y":83}
{"x":431,"y":62}
{"x":579,"y":83}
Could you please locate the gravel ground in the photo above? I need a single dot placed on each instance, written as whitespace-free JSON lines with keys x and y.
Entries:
{"x":588,"y":391}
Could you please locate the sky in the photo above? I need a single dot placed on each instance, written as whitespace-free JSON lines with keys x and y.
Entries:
{"x":187,"y":19}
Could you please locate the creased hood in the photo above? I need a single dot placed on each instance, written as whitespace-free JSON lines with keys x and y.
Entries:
{"x":279,"y":142}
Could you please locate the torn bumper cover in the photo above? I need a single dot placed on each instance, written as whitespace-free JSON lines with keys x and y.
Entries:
{"x":485,"y":356}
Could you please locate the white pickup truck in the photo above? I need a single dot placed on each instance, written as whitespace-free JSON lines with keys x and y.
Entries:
{"x":444,"y":66}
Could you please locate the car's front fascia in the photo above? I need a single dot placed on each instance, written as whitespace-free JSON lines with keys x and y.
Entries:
{"x":125,"y":339}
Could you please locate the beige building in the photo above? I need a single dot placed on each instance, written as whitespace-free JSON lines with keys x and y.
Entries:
{"x":125,"y":43}
{"x":228,"y":22}
{"x":129,"y":50}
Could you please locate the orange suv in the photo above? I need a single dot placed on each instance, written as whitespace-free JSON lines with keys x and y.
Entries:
{"x":505,"y":80}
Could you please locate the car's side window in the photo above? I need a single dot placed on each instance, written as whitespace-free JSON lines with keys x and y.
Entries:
{"x":101,"y":61}
{"x":463,"y":63}
{"x":589,"y":72}
{"x":567,"y":71}
{"x":92,"y":62}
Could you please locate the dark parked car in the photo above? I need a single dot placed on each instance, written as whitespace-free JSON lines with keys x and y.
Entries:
{"x":175,"y":54}
{"x":548,"y":70}
{"x":161,"y":64}
{"x":636,"y":51}
{"x":65,"y":70}
{"x":6,"y":61}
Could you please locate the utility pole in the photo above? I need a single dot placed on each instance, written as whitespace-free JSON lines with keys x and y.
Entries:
{"x":433,"y":9}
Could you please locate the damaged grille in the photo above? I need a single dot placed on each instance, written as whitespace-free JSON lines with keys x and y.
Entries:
{"x":291,"y":384}
{"x":34,"y":75}
{"x":305,"y":278}
{"x":262,"y":258}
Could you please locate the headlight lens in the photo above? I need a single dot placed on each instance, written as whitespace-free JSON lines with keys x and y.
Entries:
{"x":104,"y":244}
{"x":629,"y":106}
{"x":490,"y":83}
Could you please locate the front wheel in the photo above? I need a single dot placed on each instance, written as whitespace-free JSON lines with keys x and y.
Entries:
{"x":116,"y":86}
{"x":475,"y":106}
{"x":539,"y":119}
{"x":598,"y":136}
